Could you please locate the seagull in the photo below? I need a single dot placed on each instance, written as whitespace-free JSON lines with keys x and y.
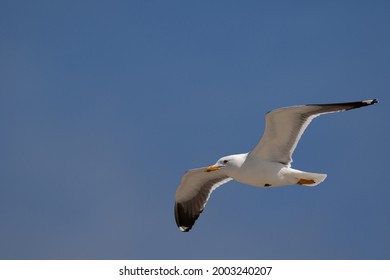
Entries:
{"x":267,"y":165}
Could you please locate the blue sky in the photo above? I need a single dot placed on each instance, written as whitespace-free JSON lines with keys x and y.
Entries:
{"x":104,"y":105}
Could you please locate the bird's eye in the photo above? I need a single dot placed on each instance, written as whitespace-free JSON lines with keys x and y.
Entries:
{"x":225,"y":161}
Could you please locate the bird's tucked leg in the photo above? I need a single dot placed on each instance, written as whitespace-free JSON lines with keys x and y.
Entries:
{"x":306,"y":182}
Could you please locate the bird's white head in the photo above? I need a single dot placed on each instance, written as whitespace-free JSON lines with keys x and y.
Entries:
{"x":232,"y":162}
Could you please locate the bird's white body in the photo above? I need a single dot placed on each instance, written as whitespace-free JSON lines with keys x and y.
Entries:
{"x":256,"y":172}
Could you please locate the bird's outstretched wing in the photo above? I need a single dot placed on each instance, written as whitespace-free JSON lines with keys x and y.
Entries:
{"x":192,"y":195}
{"x":284,"y":127}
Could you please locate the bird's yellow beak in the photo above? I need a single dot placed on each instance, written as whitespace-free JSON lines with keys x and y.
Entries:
{"x":212,"y":168}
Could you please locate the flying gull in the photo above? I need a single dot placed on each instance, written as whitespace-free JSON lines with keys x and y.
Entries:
{"x":267,"y":165}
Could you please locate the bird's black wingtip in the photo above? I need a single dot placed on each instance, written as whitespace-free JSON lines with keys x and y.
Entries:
{"x":184,"y":220}
{"x":370,"y":101}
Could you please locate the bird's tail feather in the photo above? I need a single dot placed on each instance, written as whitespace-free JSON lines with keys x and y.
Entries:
{"x":310,"y":179}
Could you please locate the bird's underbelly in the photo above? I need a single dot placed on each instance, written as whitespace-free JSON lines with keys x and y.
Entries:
{"x":265,"y":174}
